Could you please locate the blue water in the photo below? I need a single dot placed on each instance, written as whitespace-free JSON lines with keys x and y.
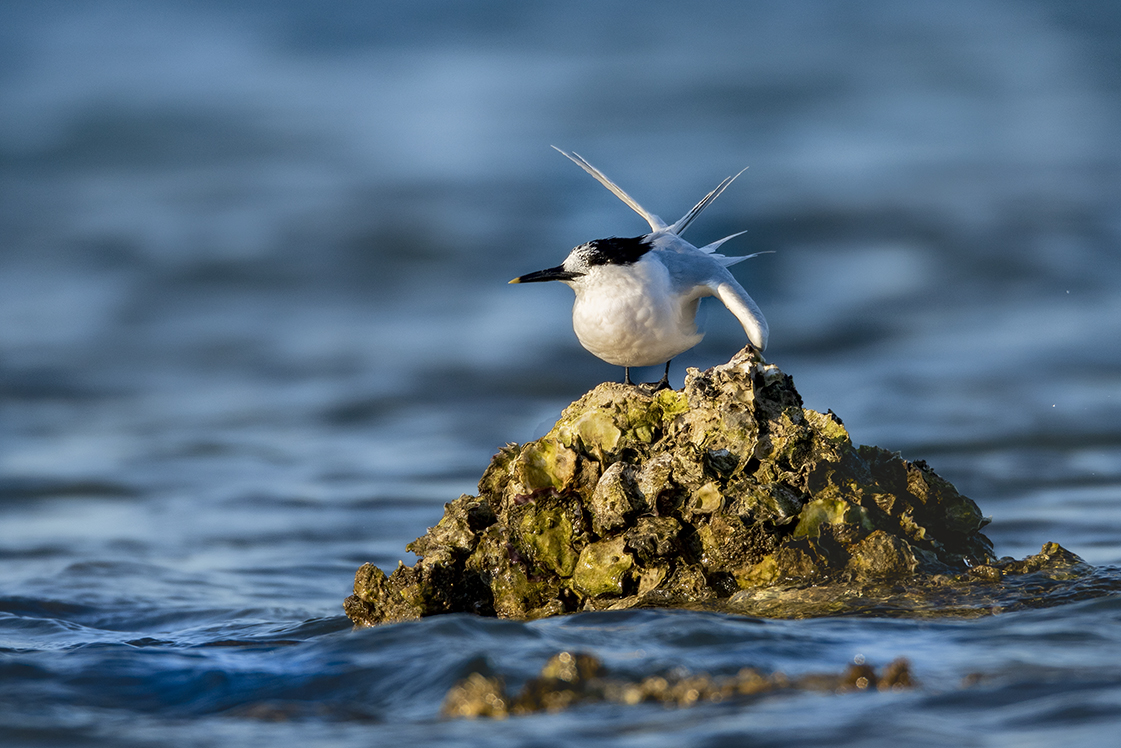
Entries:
{"x":254,"y":332}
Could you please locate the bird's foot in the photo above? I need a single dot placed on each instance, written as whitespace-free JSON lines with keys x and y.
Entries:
{"x":652,"y":387}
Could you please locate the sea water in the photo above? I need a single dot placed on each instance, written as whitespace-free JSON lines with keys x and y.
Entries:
{"x":254,"y":332}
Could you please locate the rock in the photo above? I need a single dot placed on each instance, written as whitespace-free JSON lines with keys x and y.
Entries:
{"x":726,"y":495}
{"x":603,"y":568}
{"x":572,"y":678}
{"x":615,"y":500}
{"x":477,"y":696}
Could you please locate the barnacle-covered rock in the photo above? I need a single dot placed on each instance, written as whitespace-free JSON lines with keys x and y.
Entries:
{"x":603,"y":568}
{"x":615,"y":500}
{"x":727,"y":494}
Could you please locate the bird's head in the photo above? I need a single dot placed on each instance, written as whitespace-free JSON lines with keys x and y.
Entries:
{"x":584,"y":259}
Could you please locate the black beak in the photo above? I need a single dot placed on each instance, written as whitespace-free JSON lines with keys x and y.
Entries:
{"x":551,"y":274}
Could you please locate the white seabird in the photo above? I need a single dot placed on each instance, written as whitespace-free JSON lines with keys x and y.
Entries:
{"x":636,"y":298}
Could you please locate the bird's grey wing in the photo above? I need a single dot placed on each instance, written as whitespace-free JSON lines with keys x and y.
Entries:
{"x":733,"y":296}
{"x":656,"y":224}
{"x":679,"y":226}
{"x":693,"y":275}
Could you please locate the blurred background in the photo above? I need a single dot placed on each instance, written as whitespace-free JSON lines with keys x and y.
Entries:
{"x":254,"y":320}
{"x":255,"y":328}
{"x":254,"y":249}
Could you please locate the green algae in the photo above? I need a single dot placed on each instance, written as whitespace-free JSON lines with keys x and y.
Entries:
{"x":602,"y":568}
{"x":726,"y":495}
{"x":545,"y":464}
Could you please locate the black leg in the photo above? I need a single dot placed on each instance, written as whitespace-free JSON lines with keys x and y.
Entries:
{"x":627,"y":375}
{"x":663,"y":383}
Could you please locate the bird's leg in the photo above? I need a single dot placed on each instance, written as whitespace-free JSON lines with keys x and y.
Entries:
{"x":627,"y":376}
{"x":663,"y":383}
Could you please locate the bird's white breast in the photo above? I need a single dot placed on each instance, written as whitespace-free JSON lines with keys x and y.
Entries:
{"x":629,"y":315}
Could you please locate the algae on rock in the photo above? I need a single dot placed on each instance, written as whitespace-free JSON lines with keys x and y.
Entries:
{"x":727,"y":494}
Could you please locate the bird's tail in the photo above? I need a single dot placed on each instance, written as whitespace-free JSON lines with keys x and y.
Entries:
{"x":710,"y":249}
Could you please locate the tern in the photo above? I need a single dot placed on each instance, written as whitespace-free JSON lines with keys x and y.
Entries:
{"x":636,"y":298}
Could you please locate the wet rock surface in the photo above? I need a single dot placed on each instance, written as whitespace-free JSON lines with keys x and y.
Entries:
{"x":572,"y":678}
{"x":726,"y":495}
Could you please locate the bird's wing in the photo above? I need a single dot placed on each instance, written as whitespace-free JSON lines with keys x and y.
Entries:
{"x":743,"y":307}
{"x":693,"y":275}
{"x":656,"y":224}
{"x":679,"y":226}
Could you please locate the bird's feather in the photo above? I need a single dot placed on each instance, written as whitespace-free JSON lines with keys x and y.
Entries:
{"x":679,"y":226}
{"x":729,"y":261}
{"x":675,"y":244}
{"x":733,"y":296}
{"x":656,"y":223}
{"x":710,"y":249}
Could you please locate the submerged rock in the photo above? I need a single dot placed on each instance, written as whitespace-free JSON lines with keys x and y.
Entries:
{"x":572,"y":678}
{"x":727,"y":494}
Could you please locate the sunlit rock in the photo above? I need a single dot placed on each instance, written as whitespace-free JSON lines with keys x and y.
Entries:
{"x":727,"y":495}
